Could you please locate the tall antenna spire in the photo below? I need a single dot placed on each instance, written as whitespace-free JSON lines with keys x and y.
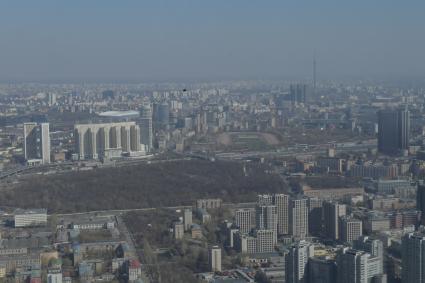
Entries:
{"x":314,"y":71}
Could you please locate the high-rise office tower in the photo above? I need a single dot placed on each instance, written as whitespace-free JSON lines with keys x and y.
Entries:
{"x":393,"y":130}
{"x":245,"y":219}
{"x":315,"y":216}
{"x":331,"y":213}
{"x":413,"y":258}
{"x":37,"y":142}
{"x":214,"y":258}
{"x":298,"y":218}
{"x":187,"y":219}
{"x":296,"y":262}
{"x":162,"y":114}
{"x":298,"y":93}
{"x":374,"y":247}
{"x":321,"y":270}
{"x":266,"y":219}
{"x":355,"y":266}
{"x":350,"y":229}
{"x":146,"y":130}
{"x":420,"y":200}
{"x":352,"y":266}
{"x":70,"y":99}
{"x":281,"y":201}
{"x":201,"y":122}
{"x":52,"y":98}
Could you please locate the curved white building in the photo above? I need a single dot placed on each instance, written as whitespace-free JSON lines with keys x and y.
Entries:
{"x":94,"y":141}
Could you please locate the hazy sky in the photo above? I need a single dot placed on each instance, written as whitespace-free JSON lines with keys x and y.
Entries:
{"x":102,"y":39}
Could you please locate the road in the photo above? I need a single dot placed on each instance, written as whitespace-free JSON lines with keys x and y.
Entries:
{"x":113,"y":212}
{"x":298,"y":151}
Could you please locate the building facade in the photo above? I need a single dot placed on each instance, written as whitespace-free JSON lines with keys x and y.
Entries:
{"x":27,"y":218}
{"x":315,"y":216}
{"x":298,"y":218}
{"x":350,"y":229}
{"x":146,"y":129}
{"x":37,"y":142}
{"x":266,"y":219}
{"x":321,"y":270}
{"x":187,"y":219}
{"x":393,"y":130}
{"x":94,"y":141}
{"x":281,"y":201}
{"x":178,"y":230}
{"x":245,"y":219}
{"x":214,"y":258}
{"x":413,"y":258}
{"x":296,"y":262}
{"x":332,"y":211}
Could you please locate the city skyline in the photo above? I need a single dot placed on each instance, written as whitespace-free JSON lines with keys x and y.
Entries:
{"x":219,"y":141}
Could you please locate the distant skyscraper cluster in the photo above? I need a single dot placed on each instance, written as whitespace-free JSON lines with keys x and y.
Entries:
{"x":274,"y":215}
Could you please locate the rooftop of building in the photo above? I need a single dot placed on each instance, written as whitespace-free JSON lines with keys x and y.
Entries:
{"x":134,"y":263}
{"x":120,"y":114}
{"x":20,"y":211}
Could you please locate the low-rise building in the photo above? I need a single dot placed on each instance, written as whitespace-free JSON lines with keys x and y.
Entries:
{"x":331,"y":193}
{"x":134,"y":270}
{"x":12,"y":262}
{"x":13,"y":251}
{"x":375,"y":223}
{"x":30,"y":217}
{"x":384,"y":204}
{"x":203,"y":215}
{"x":196,"y":231}
{"x":208,"y":203}
{"x":93,"y":225}
{"x":178,"y":230}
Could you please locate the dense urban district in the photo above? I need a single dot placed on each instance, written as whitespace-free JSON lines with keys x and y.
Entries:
{"x":233,"y":181}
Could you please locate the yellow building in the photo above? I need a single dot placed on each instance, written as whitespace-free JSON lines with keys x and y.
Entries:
{"x":2,"y":271}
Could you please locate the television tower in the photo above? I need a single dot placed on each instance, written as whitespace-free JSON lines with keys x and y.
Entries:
{"x":314,"y":72}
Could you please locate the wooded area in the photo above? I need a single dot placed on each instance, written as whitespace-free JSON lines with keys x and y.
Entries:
{"x":139,"y":186}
